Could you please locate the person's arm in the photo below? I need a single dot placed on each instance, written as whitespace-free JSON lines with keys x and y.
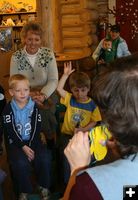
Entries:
{"x":52,"y":77}
{"x":78,"y":155}
{"x":122,"y":49}
{"x":78,"y":151}
{"x":67,"y":71}
{"x":86,"y":128}
{"x":96,"y":53}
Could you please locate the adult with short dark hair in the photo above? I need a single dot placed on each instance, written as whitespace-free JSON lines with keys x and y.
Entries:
{"x":119,"y":45}
{"x":116,"y":93}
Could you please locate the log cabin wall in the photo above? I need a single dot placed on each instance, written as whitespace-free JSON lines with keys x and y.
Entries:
{"x":102,"y":8}
{"x":70,"y":25}
{"x":78,"y":26}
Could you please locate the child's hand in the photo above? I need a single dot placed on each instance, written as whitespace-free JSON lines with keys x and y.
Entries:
{"x":29,"y":152}
{"x":68,"y":68}
{"x":101,"y":61}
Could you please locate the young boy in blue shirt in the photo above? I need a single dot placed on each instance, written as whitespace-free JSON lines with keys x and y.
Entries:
{"x":22,"y":126}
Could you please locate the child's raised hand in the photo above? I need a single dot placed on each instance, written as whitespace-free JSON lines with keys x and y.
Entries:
{"x":68,"y":68}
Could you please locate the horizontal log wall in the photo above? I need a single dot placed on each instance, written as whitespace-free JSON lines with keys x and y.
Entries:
{"x":102,"y":8}
{"x":69,"y":25}
{"x":78,"y":25}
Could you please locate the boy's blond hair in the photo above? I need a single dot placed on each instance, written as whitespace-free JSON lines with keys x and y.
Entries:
{"x":14,"y":79}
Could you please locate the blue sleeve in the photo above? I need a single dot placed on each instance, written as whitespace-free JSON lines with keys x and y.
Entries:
{"x":122,"y":49}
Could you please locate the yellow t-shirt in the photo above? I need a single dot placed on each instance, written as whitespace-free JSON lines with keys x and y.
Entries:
{"x":98,"y":137}
{"x":76,"y":112}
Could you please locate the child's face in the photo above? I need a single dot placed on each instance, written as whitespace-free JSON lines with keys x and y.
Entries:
{"x":20,"y":91}
{"x":80,"y":94}
{"x":107,"y":44}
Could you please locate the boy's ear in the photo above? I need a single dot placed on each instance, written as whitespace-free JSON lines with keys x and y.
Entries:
{"x":11,"y":92}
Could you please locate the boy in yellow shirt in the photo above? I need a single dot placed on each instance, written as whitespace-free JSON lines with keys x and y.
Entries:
{"x":81,"y":112}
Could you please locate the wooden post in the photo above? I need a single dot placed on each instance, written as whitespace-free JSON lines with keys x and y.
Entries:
{"x":45,"y":15}
{"x":49,"y":17}
{"x":57,"y":28}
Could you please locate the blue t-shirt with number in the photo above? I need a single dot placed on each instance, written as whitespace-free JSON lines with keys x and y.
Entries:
{"x":22,"y":118}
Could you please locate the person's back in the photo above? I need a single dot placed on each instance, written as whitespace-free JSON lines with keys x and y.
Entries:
{"x":110,"y":171}
{"x":116,"y":93}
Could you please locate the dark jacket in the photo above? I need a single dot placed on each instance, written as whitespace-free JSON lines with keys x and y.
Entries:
{"x":10,"y":131}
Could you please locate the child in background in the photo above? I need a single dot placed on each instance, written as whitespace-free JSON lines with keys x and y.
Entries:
{"x":81,"y":112}
{"x":106,"y":52}
{"x":22,"y":125}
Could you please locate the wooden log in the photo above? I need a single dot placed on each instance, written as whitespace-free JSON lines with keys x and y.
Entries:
{"x":74,"y":9}
{"x":62,"y":2}
{"x":77,"y":20}
{"x":72,"y":34}
{"x":89,"y":4}
{"x":69,"y":9}
{"x":57,"y":30}
{"x":82,"y":51}
{"x":89,"y":16}
{"x":71,"y":20}
{"x":103,"y":9}
{"x":86,"y":28}
{"x":77,"y":42}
